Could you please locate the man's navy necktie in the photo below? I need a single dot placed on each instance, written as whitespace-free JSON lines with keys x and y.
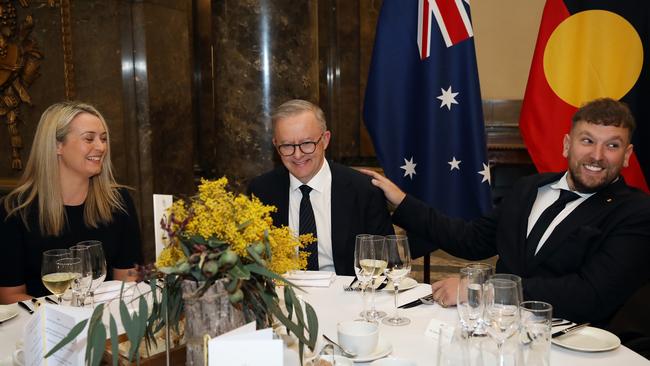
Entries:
{"x":546,"y":218}
{"x":307,"y":224}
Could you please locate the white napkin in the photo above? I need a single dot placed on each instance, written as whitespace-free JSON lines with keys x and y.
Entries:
{"x":110,"y":290}
{"x":311,"y":278}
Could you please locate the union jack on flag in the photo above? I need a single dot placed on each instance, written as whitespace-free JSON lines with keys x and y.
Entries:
{"x":423,"y":105}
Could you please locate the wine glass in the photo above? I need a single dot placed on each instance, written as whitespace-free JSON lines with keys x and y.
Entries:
{"x":511,"y":277}
{"x":69,"y":267}
{"x":399,"y":265}
{"x":53,"y":279}
{"x":502,"y":311}
{"x":469,"y":299}
{"x":485,"y":270}
{"x":363,"y":276}
{"x":81,"y":285}
{"x":98,"y":264}
{"x":373,"y":260}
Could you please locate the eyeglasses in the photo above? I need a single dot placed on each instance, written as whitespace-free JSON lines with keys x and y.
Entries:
{"x":307,"y":147}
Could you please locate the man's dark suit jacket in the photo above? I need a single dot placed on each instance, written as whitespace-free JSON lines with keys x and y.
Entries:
{"x":358,"y":207}
{"x":591,"y":263}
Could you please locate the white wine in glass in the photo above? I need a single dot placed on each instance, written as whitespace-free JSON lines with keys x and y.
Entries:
{"x":363,"y":275}
{"x":372,"y":259}
{"x":399,"y":265}
{"x":53,"y":279}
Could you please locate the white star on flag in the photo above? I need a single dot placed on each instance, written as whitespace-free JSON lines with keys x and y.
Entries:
{"x":409,"y":168}
{"x":447,"y":97}
{"x":485,"y":173}
{"x":455,"y":164}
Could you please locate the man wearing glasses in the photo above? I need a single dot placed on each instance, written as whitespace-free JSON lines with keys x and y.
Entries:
{"x":312,"y":195}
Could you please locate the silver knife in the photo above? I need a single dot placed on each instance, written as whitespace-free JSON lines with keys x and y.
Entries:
{"x":568,"y":330}
{"x":25,"y":307}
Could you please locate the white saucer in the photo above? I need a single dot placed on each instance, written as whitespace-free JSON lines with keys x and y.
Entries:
{"x":339,"y":360}
{"x":390,"y":361}
{"x":383,"y":349}
{"x":588,"y":339}
{"x":7,"y":312}
{"x":406,"y":283}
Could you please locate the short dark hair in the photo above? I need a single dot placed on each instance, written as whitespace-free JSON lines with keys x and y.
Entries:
{"x":606,"y":112}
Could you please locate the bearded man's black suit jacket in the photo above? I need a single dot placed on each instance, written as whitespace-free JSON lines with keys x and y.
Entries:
{"x":593,"y":261}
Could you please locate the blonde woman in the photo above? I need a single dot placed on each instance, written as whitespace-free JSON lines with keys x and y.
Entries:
{"x":67,"y":194}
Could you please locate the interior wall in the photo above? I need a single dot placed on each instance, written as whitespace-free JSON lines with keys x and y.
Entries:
{"x":505,"y":32}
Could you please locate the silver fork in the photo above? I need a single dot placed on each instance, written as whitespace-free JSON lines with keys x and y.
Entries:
{"x":351,"y":286}
{"x":427,"y":300}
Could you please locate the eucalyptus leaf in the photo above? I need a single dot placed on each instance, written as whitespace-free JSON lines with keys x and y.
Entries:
{"x":216,"y":243}
{"x":263,"y":271}
{"x":114,"y":339}
{"x":74,"y":332}
{"x":94,"y":325}
{"x":254,"y":255}
{"x":232,"y":285}
{"x":244,"y":224}
{"x":312,"y":321}
{"x":96,"y":343}
{"x":240,"y":272}
{"x":198,"y":239}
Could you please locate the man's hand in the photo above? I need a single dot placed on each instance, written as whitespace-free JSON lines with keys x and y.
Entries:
{"x":445,"y":291}
{"x":393,"y":194}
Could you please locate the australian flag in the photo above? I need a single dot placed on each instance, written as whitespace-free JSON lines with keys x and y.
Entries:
{"x":423,"y":105}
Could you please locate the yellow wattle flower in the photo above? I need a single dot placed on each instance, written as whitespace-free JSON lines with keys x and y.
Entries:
{"x":238,"y":220}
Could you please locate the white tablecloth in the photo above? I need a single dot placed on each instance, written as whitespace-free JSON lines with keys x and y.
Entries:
{"x":333,"y":305}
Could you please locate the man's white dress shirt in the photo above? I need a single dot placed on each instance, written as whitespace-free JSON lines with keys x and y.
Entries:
{"x":546,"y":195}
{"x":321,"y":202}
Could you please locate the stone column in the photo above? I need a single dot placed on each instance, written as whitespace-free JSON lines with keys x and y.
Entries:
{"x":265,"y":52}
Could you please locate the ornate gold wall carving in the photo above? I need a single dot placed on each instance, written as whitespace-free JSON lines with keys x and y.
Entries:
{"x":20,"y":61}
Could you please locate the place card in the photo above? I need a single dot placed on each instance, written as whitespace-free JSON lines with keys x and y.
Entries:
{"x":161,"y":202}
{"x":47,"y":327}
{"x":234,"y":348}
{"x":439,"y":331}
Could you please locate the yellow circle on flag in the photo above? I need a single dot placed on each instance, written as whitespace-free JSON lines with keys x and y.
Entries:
{"x":593,"y":54}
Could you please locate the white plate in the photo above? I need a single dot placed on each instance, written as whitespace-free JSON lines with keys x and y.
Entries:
{"x":7,"y":312}
{"x":407,"y":283}
{"x":588,"y":339}
{"x":339,"y":360}
{"x":391,"y":361}
{"x":383,"y":349}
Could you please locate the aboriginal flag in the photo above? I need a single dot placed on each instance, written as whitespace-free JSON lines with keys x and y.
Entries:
{"x":588,"y":49}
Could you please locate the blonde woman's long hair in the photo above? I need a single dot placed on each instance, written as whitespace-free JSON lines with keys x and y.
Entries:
{"x":39,"y":188}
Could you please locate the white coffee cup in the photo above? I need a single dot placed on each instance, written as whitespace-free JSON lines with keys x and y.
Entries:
{"x":18,"y":357}
{"x":358,"y":336}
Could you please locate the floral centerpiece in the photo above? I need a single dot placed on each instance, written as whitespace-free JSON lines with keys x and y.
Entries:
{"x":215,"y":238}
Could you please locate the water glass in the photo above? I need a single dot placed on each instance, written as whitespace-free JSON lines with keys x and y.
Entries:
{"x":485,"y":271}
{"x":501,"y":311}
{"x":535,"y":337}
{"x":470,"y":300}
{"x":511,"y":277}
{"x":81,"y":285}
{"x":98,"y":264}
